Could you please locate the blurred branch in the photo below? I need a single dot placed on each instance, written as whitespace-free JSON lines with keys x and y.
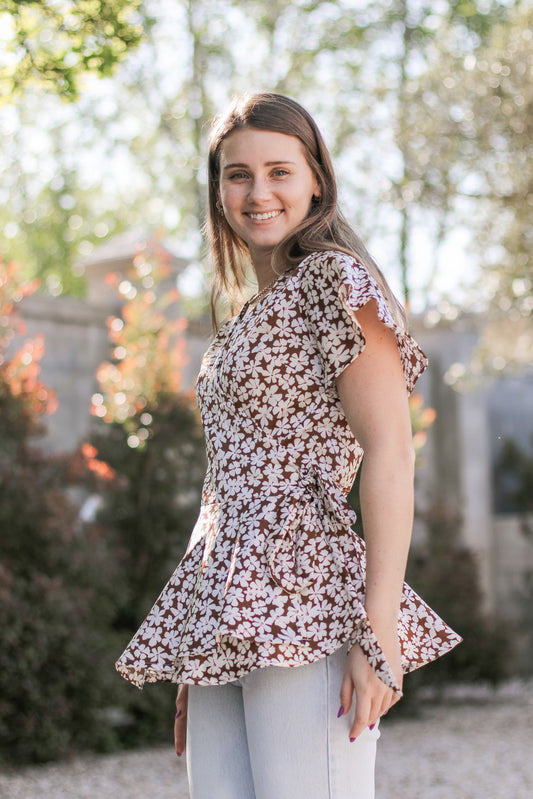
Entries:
{"x":53,"y":45}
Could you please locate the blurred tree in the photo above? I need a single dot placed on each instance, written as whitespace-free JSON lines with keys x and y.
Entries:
{"x":395,"y":75}
{"x":500,"y":87}
{"x":23,"y":397}
{"x":478,"y":139}
{"x":52,"y":45}
{"x":446,"y":574}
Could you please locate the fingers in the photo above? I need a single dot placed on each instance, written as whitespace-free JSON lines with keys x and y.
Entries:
{"x":369,"y":708}
{"x":180,"y":720}
{"x":373,"y":698}
{"x":346,"y":695}
{"x":362,"y":716}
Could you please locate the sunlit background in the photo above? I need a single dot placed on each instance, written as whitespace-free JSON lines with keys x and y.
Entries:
{"x":427,"y":108}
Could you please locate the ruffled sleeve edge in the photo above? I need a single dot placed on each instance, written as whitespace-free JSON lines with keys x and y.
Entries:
{"x":353,"y":297}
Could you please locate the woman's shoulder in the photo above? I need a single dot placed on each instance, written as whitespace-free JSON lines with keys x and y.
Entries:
{"x":333,"y":271}
{"x":330,"y":261}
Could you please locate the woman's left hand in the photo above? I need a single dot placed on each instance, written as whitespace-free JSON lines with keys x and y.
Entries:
{"x":360,"y":682}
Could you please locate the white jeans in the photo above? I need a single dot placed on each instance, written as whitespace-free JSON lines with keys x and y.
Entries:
{"x":274,"y":734}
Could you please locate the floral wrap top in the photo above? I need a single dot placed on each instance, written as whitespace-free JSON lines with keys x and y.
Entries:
{"x":273,"y":573}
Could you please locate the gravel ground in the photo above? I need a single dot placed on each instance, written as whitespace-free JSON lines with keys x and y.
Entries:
{"x":475,"y":745}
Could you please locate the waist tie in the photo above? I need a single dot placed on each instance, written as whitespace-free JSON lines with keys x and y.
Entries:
{"x":284,"y":542}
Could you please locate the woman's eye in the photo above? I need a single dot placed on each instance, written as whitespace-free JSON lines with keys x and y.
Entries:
{"x":238,"y":176}
{"x":280,"y":173}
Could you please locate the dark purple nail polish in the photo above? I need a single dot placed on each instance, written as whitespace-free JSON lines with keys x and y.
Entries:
{"x":372,"y":726}
{"x":341,"y":712}
{"x":352,"y":740}
{"x":178,"y":714}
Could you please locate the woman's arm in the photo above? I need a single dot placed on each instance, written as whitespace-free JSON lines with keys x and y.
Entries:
{"x":374,"y":398}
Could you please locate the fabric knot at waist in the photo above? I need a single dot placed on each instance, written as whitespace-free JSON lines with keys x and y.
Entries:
{"x":310,"y":507}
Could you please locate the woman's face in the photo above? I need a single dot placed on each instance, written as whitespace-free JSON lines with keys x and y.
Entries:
{"x":266,"y":187}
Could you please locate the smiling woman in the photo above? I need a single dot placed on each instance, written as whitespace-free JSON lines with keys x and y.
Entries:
{"x":278,"y":612}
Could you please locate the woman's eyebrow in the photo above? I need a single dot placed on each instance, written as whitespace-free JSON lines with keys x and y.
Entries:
{"x":268,"y":163}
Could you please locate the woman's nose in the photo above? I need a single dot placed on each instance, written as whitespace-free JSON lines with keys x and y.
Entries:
{"x":259,"y":190}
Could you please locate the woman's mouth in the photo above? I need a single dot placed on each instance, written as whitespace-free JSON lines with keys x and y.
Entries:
{"x":257,"y":217}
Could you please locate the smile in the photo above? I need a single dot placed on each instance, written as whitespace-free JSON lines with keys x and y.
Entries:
{"x":267,"y":215}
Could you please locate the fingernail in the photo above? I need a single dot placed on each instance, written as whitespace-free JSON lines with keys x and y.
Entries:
{"x":341,"y":712}
{"x":352,"y":740}
{"x":372,"y":726}
{"x":178,"y":714}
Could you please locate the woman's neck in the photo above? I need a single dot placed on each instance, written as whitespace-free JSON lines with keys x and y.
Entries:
{"x":264,"y":272}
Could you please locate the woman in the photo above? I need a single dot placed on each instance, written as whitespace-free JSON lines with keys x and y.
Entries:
{"x":289,"y":642}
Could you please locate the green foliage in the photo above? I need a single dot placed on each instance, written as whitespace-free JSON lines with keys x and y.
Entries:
{"x":54,"y":45}
{"x":57,"y":589}
{"x":57,"y":579}
{"x":23,"y":397}
{"x":151,"y":464}
{"x":73,"y":589}
{"x":73,"y":593}
{"x":416,"y":81}
{"x":149,"y":348}
{"x":152,"y":440}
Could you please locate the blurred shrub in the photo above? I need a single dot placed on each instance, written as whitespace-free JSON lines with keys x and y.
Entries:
{"x":74,"y":586}
{"x":148,"y":510}
{"x":151,"y":504}
{"x":56,"y":584}
{"x":57,"y":591}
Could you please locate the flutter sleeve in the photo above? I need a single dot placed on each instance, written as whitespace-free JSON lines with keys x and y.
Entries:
{"x":334,"y":286}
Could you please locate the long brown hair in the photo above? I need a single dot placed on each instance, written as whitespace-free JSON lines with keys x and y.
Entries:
{"x":324,"y":228}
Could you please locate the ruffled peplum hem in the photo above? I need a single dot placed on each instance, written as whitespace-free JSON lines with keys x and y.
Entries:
{"x":227,"y":610}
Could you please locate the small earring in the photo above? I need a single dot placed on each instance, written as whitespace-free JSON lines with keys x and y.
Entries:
{"x":219,"y":206}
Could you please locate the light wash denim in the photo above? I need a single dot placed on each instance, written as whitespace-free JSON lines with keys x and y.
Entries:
{"x":274,"y":734}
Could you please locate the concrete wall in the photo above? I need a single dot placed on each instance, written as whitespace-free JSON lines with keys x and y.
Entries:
{"x":76,"y":344}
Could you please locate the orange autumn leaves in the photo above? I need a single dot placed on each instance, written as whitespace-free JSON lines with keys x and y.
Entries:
{"x":148,"y":349}
{"x":19,"y":374}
